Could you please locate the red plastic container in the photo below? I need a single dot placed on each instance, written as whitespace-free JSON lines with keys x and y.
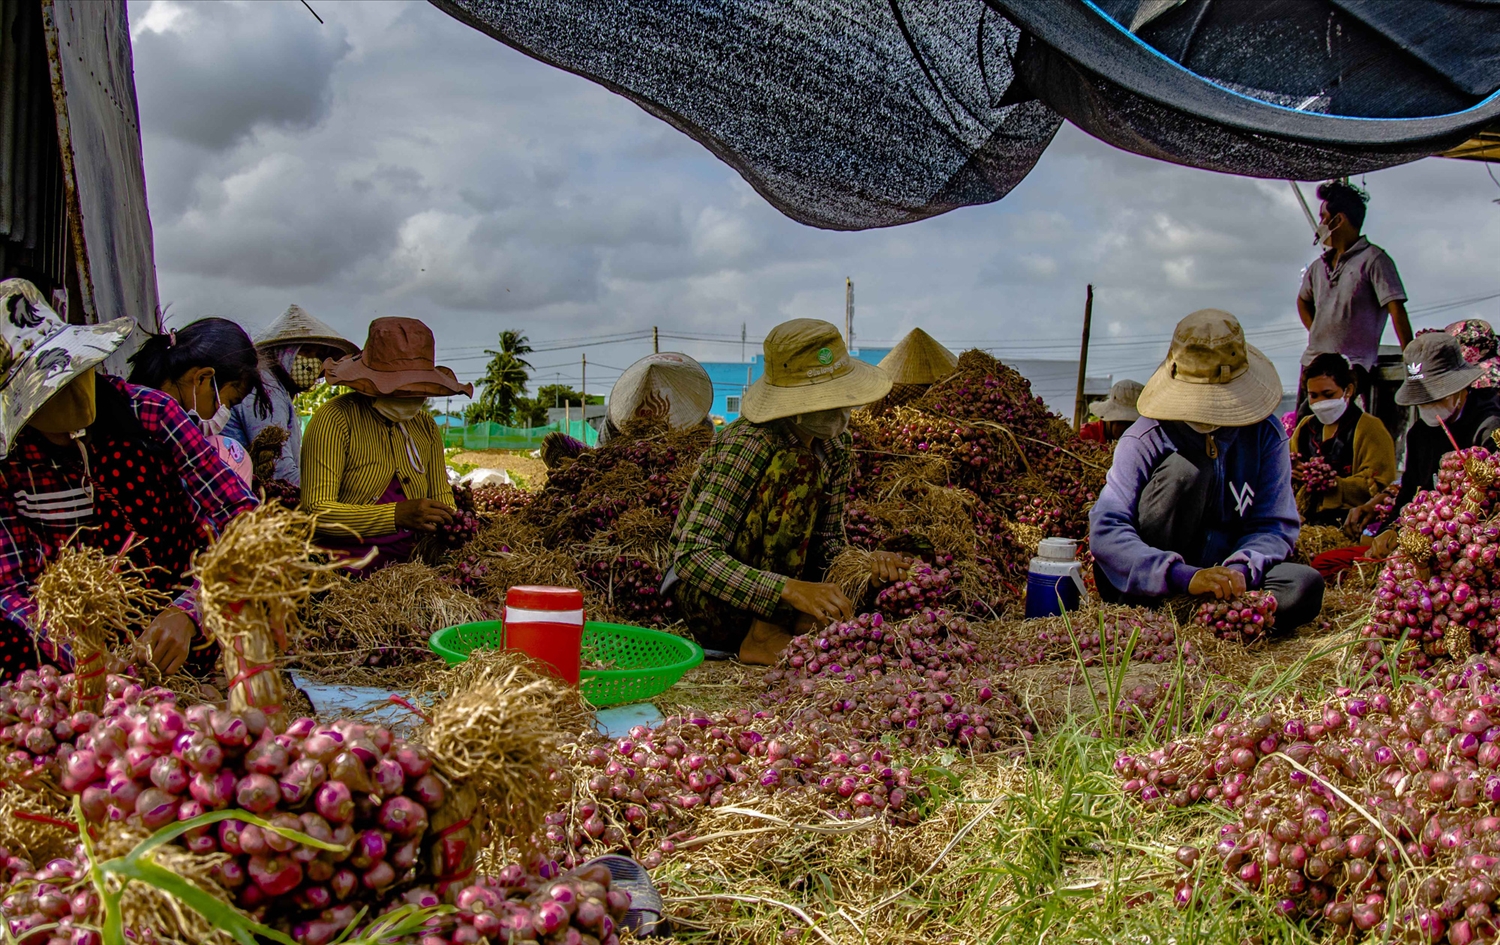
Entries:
{"x":546,"y":623}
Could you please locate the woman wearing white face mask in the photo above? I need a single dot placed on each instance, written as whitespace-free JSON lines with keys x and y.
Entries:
{"x":208,"y":367}
{"x":1354,"y":443}
{"x":292,"y":352}
{"x":764,"y":514}
{"x":372,"y":460}
{"x":86,"y":458}
{"x":1451,"y":412}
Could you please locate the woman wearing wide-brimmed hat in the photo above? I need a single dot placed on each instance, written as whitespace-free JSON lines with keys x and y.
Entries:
{"x":88,"y":458}
{"x":1199,"y":496}
{"x":1440,"y":383}
{"x":1115,"y":413}
{"x":764,"y":514}
{"x":667,"y":386}
{"x":373,"y":470}
{"x":292,"y":352}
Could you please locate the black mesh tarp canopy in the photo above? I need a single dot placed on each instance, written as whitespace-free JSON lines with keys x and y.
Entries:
{"x":851,"y":114}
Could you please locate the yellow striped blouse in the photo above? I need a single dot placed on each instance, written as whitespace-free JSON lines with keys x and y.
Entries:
{"x":349,"y":454}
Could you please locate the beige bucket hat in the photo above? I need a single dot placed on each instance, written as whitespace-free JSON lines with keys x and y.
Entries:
{"x":1211,"y":376}
{"x":40,"y":354}
{"x":297,"y":327}
{"x":808,"y":368}
{"x":1121,"y":403}
{"x":918,"y":359}
{"x":672,"y":376}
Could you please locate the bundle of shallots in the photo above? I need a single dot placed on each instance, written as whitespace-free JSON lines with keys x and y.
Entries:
{"x":254,"y":581}
{"x":88,"y":601}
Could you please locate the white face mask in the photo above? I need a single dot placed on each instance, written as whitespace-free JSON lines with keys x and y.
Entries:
{"x":1204,"y":428}
{"x":1439,"y":411}
{"x":824,"y":424}
{"x":399,"y":409}
{"x":1329,"y":411}
{"x":214,"y":425}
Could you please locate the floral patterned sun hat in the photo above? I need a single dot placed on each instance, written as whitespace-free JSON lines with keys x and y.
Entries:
{"x":40,"y":354}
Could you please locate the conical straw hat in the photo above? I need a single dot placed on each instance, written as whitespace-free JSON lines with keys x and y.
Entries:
{"x":677,"y":378}
{"x":918,"y":359}
{"x":296,"y":326}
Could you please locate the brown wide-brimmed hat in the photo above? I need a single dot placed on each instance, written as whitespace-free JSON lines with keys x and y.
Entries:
{"x":1121,"y":403}
{"x":1435,"y":368}
{"x":398,"y":360}
{"x":918,"y":359}
{"x":297,"y":327}
{"x":808,"y":369}
{"x":1211,"y":376}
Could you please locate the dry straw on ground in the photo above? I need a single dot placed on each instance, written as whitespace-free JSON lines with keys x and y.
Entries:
{"x":92,"y":601}
{"x":395,"y":609}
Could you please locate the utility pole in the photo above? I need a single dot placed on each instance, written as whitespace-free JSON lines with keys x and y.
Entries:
{"x":583,"y":383}
{"x":1083,"y":358}
{"x":742,"y":342}
{"x":655,"y":341}
{"x":849,"y":313}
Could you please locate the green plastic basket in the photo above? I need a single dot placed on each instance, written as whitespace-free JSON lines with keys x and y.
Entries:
{"x":650,"y":661}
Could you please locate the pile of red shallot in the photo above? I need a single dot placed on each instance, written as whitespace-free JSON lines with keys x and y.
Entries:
{"x":1332,"y":803}
{"x":143,"y":760}
{"x":1244,"y":618}
{"x":1313,"y":473}
{"x":1440,"y":587}
{"x":537,"y":905}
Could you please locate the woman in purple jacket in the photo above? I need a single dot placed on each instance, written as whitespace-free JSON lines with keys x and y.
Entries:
{"x":1199,"y":499}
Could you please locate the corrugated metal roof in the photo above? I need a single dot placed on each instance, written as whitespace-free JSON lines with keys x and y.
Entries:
{"x":98,"y":122}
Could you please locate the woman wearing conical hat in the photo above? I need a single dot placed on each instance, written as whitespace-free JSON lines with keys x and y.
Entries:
{"x":915,"y":364}
{"x":292,"y":350}
{"x":667,"y":386}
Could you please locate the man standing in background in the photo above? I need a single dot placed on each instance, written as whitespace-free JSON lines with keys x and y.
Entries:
{"x":1347,"y":293}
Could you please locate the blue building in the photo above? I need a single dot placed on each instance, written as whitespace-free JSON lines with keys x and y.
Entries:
{"x":1053,"y":381}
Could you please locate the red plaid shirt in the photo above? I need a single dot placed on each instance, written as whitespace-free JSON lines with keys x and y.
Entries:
{"x":216,"y":495}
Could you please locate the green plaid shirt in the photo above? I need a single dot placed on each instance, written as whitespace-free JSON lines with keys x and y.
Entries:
{"x":715,"y":505}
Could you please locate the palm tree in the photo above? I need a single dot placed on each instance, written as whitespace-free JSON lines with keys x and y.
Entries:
{"x":504,"y":381}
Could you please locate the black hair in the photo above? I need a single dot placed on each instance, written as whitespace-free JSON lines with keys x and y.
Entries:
{"x":216,"y":343}
{"x":1333,"y":366}
{"x":1343,"y":197}
{"x":270,"y":363}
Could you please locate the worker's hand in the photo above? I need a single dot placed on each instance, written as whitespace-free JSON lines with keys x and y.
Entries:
{"x":1359,"y":517}
{"x":888,"y":567}
{"x":825,"y":603}
{"x":1383,"y":545}
{"x":422,"y":515}
{"x":1220,"y":582}
{"x":167,"y":641}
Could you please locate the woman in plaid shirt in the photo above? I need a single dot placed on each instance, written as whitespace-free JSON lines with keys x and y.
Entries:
{"x":88,"y":458}
{"x":765,"y":508}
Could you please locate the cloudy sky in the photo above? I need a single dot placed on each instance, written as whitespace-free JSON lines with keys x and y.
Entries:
{"x":395,"y":162}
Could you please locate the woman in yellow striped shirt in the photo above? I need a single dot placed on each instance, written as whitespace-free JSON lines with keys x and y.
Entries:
{"x":372,"y":460}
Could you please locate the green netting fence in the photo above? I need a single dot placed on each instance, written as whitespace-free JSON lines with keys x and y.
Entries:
{"x":495,"y":436}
